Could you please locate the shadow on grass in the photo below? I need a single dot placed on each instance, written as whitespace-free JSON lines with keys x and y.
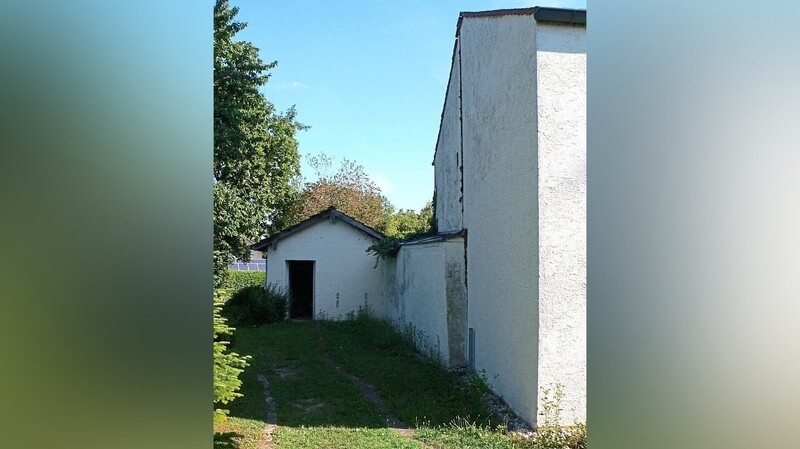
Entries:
{"x":226,"y":440}
{"x":306,"y":390}
{"x":310,"y":393}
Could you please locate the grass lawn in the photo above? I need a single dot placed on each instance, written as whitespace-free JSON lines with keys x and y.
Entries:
{"x":341,"y":438}
{"x":469,"y":437}
{"x":318,"y":407}
{"x":239,"y":433}
{"x":417,"y":390}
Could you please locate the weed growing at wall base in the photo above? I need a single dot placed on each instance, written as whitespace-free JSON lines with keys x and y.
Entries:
{"x":550,"y":434}
{"x":421,"y":342}
{"x":465,"y":433}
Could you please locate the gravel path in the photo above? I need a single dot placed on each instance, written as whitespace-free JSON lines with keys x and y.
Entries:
{"x":272,"y":415}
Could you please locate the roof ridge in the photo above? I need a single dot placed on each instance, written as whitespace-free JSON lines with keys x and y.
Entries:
{"x":330,"y":211}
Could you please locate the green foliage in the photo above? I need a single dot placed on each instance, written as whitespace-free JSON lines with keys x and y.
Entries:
{"x":256,"y":305}
{"x":383,"y":248}
{"x":364,"y":315}
{"x":421,"y":342}
{"x":550,"y":434}
{"x":463,"y":433}
{"x":405,"y":223}
{"x":414,"y":388}
{"x":551,"y":406}
{"x":349,"y":190}
{"x":289,"y":207}
{"x":255,"y":150}
{"x":342,"y":437}
{"x":238,"y":280}
{"x":227,"y":365}
{"x":323,"y":408}
{"x":240,"y":433}
{"x":291,"y":356}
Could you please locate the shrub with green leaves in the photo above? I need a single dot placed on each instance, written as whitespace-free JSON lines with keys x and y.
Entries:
{"x":256,"y":305}
{"x":237,"y":280}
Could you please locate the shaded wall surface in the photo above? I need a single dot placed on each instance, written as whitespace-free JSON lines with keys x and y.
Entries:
{"x":426,"y":295}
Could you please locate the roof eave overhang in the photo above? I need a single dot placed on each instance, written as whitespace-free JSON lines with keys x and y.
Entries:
{"x":329,"y":213}
{"x":540,"y":14}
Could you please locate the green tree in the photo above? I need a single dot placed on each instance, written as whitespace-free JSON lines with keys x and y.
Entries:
{"x":349,"y":189}
{"x":227,"y":365}
{"x":406,"y":223}
{"x":289,"y":207}
{"x":255,"y":151}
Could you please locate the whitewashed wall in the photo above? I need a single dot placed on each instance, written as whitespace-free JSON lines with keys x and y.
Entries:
{"x":389,"y":308}
{"x":457,"y":301}
{"x":342,"y":266}
{"x":448,"y":158}
{"x":421,"y":292}
{"x":501,"y":204}
{"x":561,"y":101}
{"x":425,"y":288}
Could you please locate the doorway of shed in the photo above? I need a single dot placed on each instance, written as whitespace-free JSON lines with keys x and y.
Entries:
{"x":301,"y":288}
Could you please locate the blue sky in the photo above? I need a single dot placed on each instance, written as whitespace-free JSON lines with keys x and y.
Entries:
{"x":369,"y":77}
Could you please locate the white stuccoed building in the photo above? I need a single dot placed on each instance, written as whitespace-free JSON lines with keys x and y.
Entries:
{"x":502,"y":288}
{"x":322,"y":262}
{"x":510,"y":170}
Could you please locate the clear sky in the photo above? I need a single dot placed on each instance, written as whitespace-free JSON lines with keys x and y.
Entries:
{"x":368,"y":76}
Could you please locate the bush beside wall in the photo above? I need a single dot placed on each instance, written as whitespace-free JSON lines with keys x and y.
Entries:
{"x":238,"y":280}
{"x":256,"y":305}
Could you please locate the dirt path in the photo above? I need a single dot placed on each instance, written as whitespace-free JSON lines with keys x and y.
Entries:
{"x":371,"y":393}
{"x":393,"y":422}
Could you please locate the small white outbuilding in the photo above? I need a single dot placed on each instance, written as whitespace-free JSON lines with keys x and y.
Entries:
{"x":323,"y":264}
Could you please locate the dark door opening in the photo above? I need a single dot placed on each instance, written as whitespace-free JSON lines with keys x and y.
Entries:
{"x":301,"y":288}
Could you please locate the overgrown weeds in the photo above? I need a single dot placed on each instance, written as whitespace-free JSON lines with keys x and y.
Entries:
{"x":550,"y":434}
{"x":422,"y":342}
{"x":464,"y":433}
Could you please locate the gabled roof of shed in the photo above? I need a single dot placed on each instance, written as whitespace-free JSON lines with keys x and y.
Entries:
{"x":329,"y":213}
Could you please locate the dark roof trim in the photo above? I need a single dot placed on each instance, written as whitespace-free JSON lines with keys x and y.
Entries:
{"x":501,"y":12}
{"x":331,"y":213}
{"x":540,"y":14}
{"x":561,"y":15}
{"x":434,"y":238}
